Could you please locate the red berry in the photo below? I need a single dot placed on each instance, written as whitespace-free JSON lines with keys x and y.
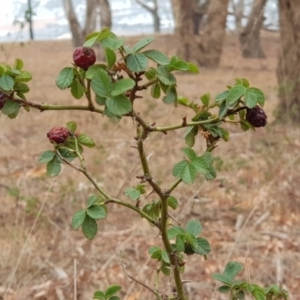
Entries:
{"x":2,"y":99}
{"x":58,"y":135}
{"x":256,"y":116}
{"x":84,"y":57}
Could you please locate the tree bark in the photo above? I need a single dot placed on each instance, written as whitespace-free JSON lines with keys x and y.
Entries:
{"x":288,"y":69}
{"x":90,"y":17}
{"x":250,"y":35}
{"x":75,"y":28}
{"x":105,"y":14}
{"x":212,"y":40}
{"x":183,"y":17}
{"x":153,"y":11}
{"x":199,"y":11}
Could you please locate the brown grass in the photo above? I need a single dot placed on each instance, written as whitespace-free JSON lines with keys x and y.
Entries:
{"x":257,"y":184}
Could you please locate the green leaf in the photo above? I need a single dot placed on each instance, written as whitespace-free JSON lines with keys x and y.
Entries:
{"x":10,"y":107}
{"x":99,"y":295}
{"x":150,"y":73}
{"x":165,"y":268}
{"x":245,"y":82}
{"x":46,"y":156}
{"x":259,"y":95}
{"x":193,"y":227}
{"x":143,"y":43}
{"x":53,"y":167}
{"x":100,"y":100}
{"x":21,"y":87}
{"x":189,"y":153}
{"x":188,"y":174}
{"x":114,"y":298}
{"x":201,"y":165}
{"x":154,"y":249}
{"x":174,"y":231}
{"x":250,"y":98}
{"x":78,"y":219}
{"x":222,"y":278}
{"x":112,"y":43}
{"x":241,"y":295}
{"x":137,"y":62}
{"x":132,"y":193}
{"x":205,"y":99}
{"x":171,"y":95}
{"x":234,"y":95}
{"x":165,"y":256}
{"x":6,"y":83}
{"x":72,"y":126}
{"x":155,"y":90}
{"x":122,"y":86}
{"x":165,"y":76}
{"x":77,"y":89}
{"x":93,"y":199}
{"x":178,"y":168}
{"x":92,"y":70}
{"x":92,"y":38}
{"x":178,"y":64}
{"x":86,"y":140}
{"x":224,"y":289}
{"x":119,"y":105}
{"x":96,"y":212}
{"x":202,"y":247}
{"x":111,"y":57}
{"x":101,"y":83}
{"x":193,"y":68}
{"x":112,"y":290}
{"x":172,"y":202}
{"x":258,"y":295}
{"x":223,"y":109}
{"x":24,"y":76}
{"x":18,"y":65}
{"x":232,"y":269}
{"x":89,"y":227}
{"x":222,"y":96}
{"x":180,"y":239}
{"x":65,"y":78}
{"x":157,"y":56}
{"x":190,"y":134}
{"x":66,"y":154}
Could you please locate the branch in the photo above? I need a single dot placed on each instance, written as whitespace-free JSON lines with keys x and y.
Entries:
{"x":147,"y":7}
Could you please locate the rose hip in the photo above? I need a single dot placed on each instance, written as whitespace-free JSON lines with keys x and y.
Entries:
{"x":84,"y":57}
{"x":58,"y":135}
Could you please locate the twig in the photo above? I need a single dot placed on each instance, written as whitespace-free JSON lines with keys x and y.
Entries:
{"x":141,"y":283}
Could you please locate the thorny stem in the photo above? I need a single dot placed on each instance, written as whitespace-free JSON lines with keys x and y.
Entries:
{"x":104,"y":194}
{"x":88,"y":95}
{"x":169,"y":190}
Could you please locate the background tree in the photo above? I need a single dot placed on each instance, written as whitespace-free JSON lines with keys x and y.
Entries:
{"x":250,"y":34}
{"x":78,"y":32}
{"x":153,"y":10}
{"x":29,"y":18}
{"x":199,"y":11}
{"x":238,"y":8}
{"x":288,"y":69}
{"x":207,"y":50}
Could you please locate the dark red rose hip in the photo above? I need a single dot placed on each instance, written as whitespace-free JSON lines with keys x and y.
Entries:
{"x":58,"y":135}
{"x":2,"y":99}
{"x":256,"y":116}
{"x":84,"y":57}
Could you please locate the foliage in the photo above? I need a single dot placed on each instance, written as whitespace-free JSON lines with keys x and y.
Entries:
{"x":111,"y":89}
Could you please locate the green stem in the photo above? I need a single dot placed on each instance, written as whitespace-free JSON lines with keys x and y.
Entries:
{"x":169,"y":190}
{"x":43,"y":106}
{"x":88,"y":95}
{"x":147,"y":84}
{"x":183,"y":124}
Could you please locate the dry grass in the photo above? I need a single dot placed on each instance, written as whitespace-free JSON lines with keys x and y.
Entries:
{"x":250,"y":213}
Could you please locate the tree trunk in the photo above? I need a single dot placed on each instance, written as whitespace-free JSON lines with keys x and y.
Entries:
{"x":238,"y":11}
{"x":199,"y":11}
{"x":250,"y":36}
{"x":153,"y":11}
{"x":90,"y":17}
{"x":183,"y":17}
{"x":288,"y":69}
{"x":76,"y":31}
{"x":30,"y":21}
{"x":105,"y":14}
{"x":211,"y":42}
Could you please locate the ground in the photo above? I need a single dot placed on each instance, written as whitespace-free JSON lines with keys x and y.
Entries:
{"x":250,"y":213}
